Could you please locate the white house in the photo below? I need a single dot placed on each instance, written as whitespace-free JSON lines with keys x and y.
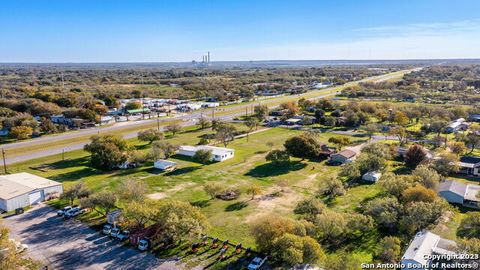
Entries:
{"x":293,"y":121}
{"x":23,"y":189}
{"x":165,"y":165}
{"x":211,"y":104}
{"x":457,"y":125}
{"x":372,"y":176}
{"x":460,"y":193}
{"x":189,"y":107}
{"x":422,"y":246}
{"x":322,"y":85}
{"x":104,"y":120}
{"x":218,"y":153}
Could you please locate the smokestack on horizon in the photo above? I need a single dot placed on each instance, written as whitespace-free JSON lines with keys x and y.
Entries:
{"x":208,"y":57}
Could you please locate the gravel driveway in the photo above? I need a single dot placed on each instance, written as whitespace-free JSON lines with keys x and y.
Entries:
{"x":73,"y":245}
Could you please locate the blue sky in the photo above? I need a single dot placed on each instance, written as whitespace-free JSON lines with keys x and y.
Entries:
{"x":181,"y":30}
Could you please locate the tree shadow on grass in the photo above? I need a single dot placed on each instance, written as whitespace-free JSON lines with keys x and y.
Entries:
{"x":271,"y":169}
{"x":328,"y":200}
{"x":401,"y":170}
{"x":153,"y":170}
{"x":68,"y":163}
{"x":201,"y":203}
{"x":75,"y":175}
{"x":182,"y":171}
{"x":236,"y":206}
{"x":142,"y":146}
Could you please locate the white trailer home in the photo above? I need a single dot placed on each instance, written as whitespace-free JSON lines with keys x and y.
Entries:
{"x":218,"y":153}
{"x":23,"y":189}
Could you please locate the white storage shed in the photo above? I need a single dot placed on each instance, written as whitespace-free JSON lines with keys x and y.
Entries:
{"x":165,"y":165}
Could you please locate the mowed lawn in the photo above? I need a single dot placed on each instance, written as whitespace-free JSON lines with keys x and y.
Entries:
{"x":229,"y":219}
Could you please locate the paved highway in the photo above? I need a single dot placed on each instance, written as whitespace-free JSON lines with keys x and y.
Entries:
{"x":56,"y":144}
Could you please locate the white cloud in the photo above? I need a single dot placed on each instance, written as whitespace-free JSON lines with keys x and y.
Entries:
{"x":416,"y":41}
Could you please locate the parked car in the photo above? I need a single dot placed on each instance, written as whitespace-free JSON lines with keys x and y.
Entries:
{"x":62,"y":212}
{"x":143,"y":245}
{"x":107,"y":228}
{"x":122,"y":236}
{"x":114,"y":232}
{"x":256,"y":263}
{"x":75,"y":211}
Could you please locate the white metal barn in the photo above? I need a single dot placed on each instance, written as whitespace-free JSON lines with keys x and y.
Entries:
{"x":24,"y":189}
{"x":165,"y":165}
{"x":372,"y":176}
{"x":218,"y":153}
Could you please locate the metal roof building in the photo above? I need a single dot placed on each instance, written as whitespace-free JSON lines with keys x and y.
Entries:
{"x":461,"y":193}
{"x":24,"y":189}
{"x":422,"y":246}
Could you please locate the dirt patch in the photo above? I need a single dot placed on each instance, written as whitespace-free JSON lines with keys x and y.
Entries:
{"x":165,"y":194}
{"x":282,"y":203}
{"x":157,"y":196}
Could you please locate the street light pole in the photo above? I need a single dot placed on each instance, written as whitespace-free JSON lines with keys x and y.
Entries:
{"x":4,"y":162}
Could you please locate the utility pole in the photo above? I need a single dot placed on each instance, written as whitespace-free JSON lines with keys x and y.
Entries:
{"x":4,"y":162}
{"x":158,"y":123}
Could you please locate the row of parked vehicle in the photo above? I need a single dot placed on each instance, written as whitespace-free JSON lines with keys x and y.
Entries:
{"x":122,"y":235}
{"x":141,"y":241}
{"x":70,"y":211}
{"x":116,"y":232}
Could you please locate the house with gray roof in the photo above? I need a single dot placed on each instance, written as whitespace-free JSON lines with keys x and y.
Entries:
{"x":458,"y":125}
{"x":423,"y":245}
{"x":469,"y":165}
{"x":460,"y":193}
{"x":343,"y":157}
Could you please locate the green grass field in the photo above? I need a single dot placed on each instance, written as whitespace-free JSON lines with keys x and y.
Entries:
{"x":229,"y":219}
